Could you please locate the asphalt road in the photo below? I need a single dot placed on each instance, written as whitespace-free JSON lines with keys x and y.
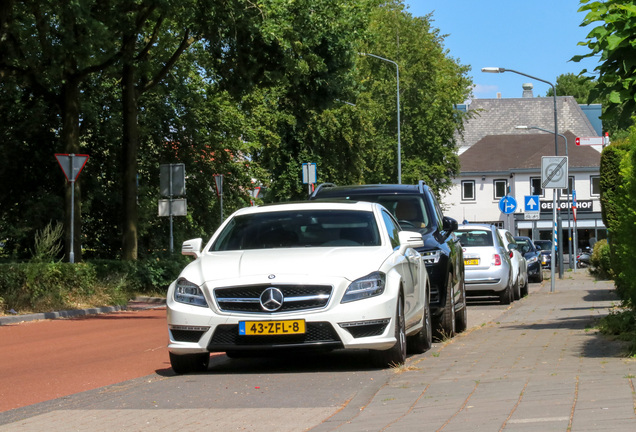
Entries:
{"x":50,"y":359}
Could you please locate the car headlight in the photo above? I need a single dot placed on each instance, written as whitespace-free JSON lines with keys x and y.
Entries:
{"x":189,"y":293}
{"x":368,"y":286}
{"x":532,"y":260}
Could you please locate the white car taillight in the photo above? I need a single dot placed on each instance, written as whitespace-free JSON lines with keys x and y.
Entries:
{"x":496,"y":260}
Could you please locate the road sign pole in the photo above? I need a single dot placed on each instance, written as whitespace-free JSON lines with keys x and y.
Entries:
{"x":554,"y":239}
{"x":71,"y":255}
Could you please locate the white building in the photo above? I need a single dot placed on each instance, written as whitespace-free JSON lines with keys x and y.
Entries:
{"x":498,"y":159}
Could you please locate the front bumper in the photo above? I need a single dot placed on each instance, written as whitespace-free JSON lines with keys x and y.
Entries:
{"x":362,"y":324}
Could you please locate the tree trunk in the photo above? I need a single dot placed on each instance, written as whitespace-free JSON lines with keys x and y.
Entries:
{"x":129,"y":163}
{"x":70,"y":138}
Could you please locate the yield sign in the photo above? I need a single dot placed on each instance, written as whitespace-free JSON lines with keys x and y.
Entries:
{"x":71,"y":164}
{"x":531,"y":203}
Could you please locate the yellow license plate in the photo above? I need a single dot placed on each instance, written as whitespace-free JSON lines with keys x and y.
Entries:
{"x":271,"y":327}
{"x":471,"y":261}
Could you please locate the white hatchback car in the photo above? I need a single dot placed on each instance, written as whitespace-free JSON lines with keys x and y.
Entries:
{"x":519,"y":265}
{"x":314,"y":275}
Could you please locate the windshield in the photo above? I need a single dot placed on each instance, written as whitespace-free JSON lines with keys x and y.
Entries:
{"x":304,"y":228}
{"x":475,"y":238}
{"x":409,"y":210}
{"x":524,"y":245}
{"x":543,"y":244}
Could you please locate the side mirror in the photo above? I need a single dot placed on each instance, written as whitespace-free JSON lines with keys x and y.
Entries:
{"x":449,"y":224}
{"x":411,"y":239}
{"x":192,"y":247}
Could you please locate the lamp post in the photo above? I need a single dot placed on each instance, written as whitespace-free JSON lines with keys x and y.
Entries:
{"x":399,"y":148}
{"x":556,"y":153}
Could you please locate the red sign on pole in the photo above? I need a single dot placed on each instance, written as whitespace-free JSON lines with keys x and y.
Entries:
{"x":71,"y":164}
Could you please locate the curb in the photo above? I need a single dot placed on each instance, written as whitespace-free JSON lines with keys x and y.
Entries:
{"x":138,"y":303}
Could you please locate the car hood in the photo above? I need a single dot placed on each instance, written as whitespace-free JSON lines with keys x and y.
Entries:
{"x":350,"y":263}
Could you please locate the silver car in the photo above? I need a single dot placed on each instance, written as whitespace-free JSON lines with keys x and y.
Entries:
{"x":488,"y":269}
{"x":519,"y":265}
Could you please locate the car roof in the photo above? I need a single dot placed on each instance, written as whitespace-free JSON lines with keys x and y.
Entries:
{"x":329,"y":190}
{"x":310,"y":205}
{"x":465,"y":227}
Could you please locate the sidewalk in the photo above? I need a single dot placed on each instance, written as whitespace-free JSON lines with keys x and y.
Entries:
{"x":540,"y":367}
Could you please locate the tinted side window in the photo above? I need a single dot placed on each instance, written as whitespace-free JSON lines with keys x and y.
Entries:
{"x":392,"y":228}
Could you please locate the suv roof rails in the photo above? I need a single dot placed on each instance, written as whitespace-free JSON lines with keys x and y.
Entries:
{"x":421,"y":185}
{"x":322,"y":185}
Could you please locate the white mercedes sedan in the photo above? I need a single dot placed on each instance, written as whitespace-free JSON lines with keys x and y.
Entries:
{"x":298,"y":276}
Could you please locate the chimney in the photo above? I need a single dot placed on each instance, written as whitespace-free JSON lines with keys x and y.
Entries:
{"x":527,"y":90}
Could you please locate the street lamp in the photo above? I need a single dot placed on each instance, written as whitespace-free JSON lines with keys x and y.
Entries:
{"x":399,"y":148}
{"x":556,"y":153}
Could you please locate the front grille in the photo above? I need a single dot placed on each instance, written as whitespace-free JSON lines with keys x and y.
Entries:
{"x":186,"y":335}
{"x":246,"y":299}
{"x":227,"y":336}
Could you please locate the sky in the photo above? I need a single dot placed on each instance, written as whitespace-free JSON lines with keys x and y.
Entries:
{"x":535,"y":37}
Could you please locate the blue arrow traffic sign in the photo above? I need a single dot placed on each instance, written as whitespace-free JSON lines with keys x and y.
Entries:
{"x":531,"y":203}
{"x":507,"y":204}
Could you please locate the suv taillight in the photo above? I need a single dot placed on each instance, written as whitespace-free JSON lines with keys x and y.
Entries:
{"x":496,"y":259}
{"x":511,"y":255}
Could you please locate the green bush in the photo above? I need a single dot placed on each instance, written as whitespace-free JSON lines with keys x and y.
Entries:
{"x":600,"y":261}
{"x":621,"y":324}
{"x":45,"y":287}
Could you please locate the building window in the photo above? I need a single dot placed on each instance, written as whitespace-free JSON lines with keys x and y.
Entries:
{"x":595,"y":185}
{"x":500,"y":188}
{"x":570,"y":186}
{"x":468,"y":190}
{"x":535,"y":186}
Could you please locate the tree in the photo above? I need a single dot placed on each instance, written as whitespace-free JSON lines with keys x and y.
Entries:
{"x":575,"y":85}
{"x":431,"y":83}
{"x":614,"y":40}
{"x":49,"y":51}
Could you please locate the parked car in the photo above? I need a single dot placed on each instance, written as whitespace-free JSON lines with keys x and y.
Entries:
{"x":519,"y":265}
{"x":487,"y":262}
{"x":301,"y":276}
{"x":532,"y":256}
{"x":417,"y":209}
{"x":546,"y":252}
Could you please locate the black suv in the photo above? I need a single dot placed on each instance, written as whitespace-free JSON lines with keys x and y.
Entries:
{"x":416,"y":209}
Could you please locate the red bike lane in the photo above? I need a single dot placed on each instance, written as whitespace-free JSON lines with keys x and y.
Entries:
{"x":44,"y":360}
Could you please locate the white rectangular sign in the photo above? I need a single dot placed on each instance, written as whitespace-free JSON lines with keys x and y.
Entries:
{"x":554,"y":172}
{"x":590,"y":140}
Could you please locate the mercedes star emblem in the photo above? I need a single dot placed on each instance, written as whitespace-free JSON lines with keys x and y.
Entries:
{"x":272,"y":299}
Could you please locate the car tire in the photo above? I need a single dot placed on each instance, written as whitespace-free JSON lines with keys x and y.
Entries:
{"x":505,"y":296}
{"x":524,"y":289}
{"x":461,"y":318}
{"x":422,"y":341}
{"x":447,"y":325}
{"x":516,"y":289}
{"x":189,"y":363}
{"x":397,"y":354}
{"x":540,"y":276}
